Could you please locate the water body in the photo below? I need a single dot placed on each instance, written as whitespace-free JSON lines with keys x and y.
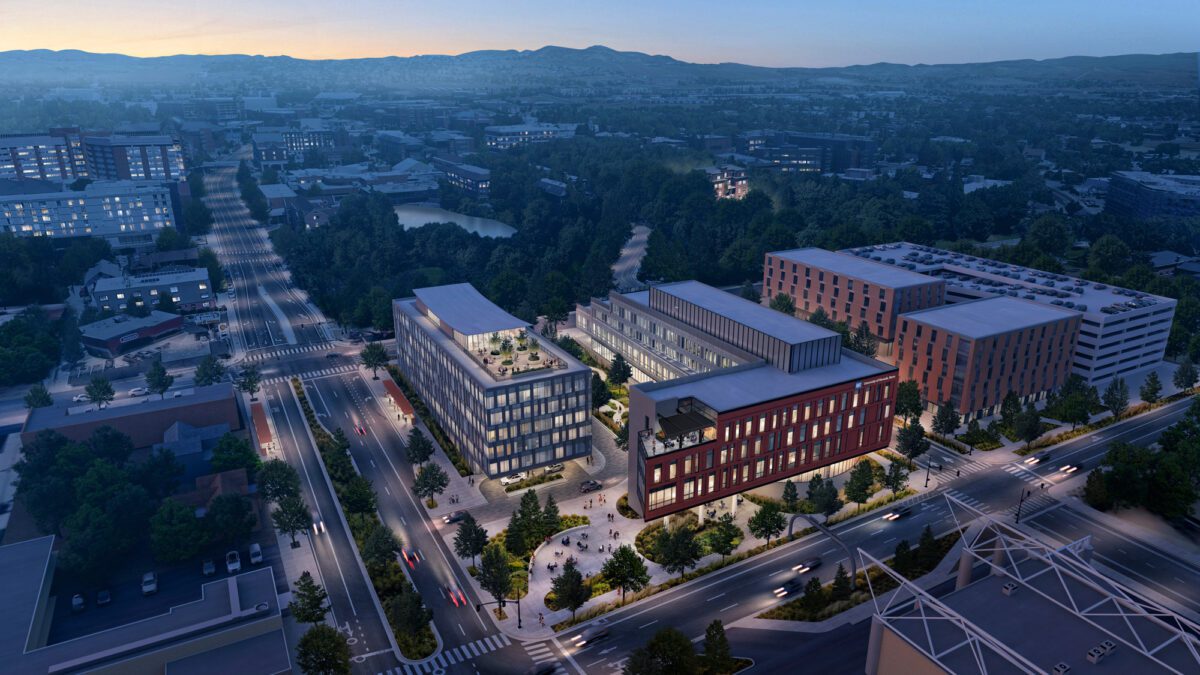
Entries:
{"x":413,"y":216}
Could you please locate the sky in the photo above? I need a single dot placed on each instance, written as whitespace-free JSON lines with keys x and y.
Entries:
{"x":809,"y":33}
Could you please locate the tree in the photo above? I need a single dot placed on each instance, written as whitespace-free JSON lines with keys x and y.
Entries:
{"x":678,"y":549}
{"x":1185,"y":375}
{"x":718,"y":658}
{"x":291,"y":516}
{"x":600,"y":391}
{"x":864,"y":341}
{"x":625,"y":570}
{"x":1029,"y":425}
{"x":896,"y":477}
{"x":619,"y":371}
{"x":904,"y":560}
{"x":109,"y":444}
{"x":668,"y":652}
{"x":210,"y":371}
{"x":823,"y":495}
{"x":1048,"y":234}
{"x":530,"y":513}
{"x":380,"y":547}
{"x":100,"y":391}
{"x":231,"y":453}
{"x":431,"y":480}
{"x":38,"y":397}
{"x":928,"y":552}
{"x":176,"y":534}
{"x":569,"y":589}
{"x":1151,"y":389}
{"x":791,"y":498}
{"x":277,"y":479}
{"x":841,"y":588}
{"x":550,"y":517}
{"x":814,"y":599}
{"x":1116,"y":396}
{"x":159,"y":474}
{"x":1095,"y":491}
{"x":783,"y":302}
{"x":308,"y":600}
{"x":419,"y":448}
{"x":374,"y":356}
{"x":767,"y":522}
{"x":470,"y":539}
{"x":516,"y":536}
{"x":1110,"y":255}
{"x":724,"y":536}
{"x":908,"y":401}
{"x":229,"y":518}
{"x":1171,"y":489}
{"x":249,"y":381}
{"x":494,"y":574}
{"x":407,"y":612}
{"x":158,"y":381}
{"x":359,"y":495}
{"x":1010,"y":407}
{"x":858,"y":486}
{"x":169,"y":239}
{"x":323,"y":651}
{"x":911,"y":441}
{"x":947,"y":420}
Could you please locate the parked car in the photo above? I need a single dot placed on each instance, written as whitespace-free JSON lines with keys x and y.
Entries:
{"x":554,"y":468}
{"x":103,"y":597}
{"x":139,"y":391}
{"x":590,"y":485}
{"x":255,"y":554}
{"x":332,"y":355}
{"x":514,"y":478}
{"x":456,"y":517}
{"x":78,"y":602}
{"x":80,"y":398}
{"x":208,"y":568}
{"x":149,"y":583}
{"x":233,"y":562}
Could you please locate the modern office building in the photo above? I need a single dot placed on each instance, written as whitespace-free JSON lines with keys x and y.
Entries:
{"x":972,"y":354}
{"x":311,"y":134}
{"x":507,"y":412}
{"x":129,"y":214}
{"x":510,"y":136}
{"x":1140,"y":194}
{"x":116,"y":335}
{"x":474,"y":180}
{"x":745,"y":395}
{"x":1121,"y":331}
{"x":36,"y":157}
{"x":808,"y":151}
{"x":849,"y":288}
{"x":189,"y":290}
{"x":116,"y":157}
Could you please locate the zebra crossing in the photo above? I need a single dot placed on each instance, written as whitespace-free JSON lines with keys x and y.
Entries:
{"x":1020,"y":472}
{"x":950,"y":470}
{"x":270,"y":354}
{"x":542,"y":654}
{"x":336,"y":370}
{"x":1033,"y":504}
{"x":450,"y":657}
{"x":969,"y":500}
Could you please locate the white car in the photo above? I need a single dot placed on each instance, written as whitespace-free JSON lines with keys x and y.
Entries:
{"x":139,"y":391}
{"x":515,"y":478}
{"x":256,"y":557}
{"x":80,"y":398}
{"x":233,"y":562}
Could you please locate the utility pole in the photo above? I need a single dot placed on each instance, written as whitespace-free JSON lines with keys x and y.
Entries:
{"x":1024,"y":493}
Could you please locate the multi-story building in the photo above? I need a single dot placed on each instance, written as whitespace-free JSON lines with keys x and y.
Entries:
{"x":849,"y":288}
{"x":128,"y":214}
{"x":729,"y":181}
{"x":511,"y":135}
{"x":1121,"y":330}
{"x":270,"y":149}
{"x":36,"y":157}
{"x":474,"y":180}
{"x":808,"y":151}
{"x":507,"y":411}
{"x":1140,"y":194}
{"x":746,"y":395}
{"x":972,"y":354}
{"x":189,"y":290}
{"x":158,"y":158}
{"x":312,"y":134}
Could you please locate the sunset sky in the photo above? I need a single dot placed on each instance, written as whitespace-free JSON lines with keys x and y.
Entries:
{"x":773,"y":33}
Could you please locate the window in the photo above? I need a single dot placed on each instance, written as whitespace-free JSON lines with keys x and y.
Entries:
{"x":661,"y":497}
{"x":658,"y":474}
{"x":759,"y":467}
{"x":689,"y":489}
{"x":671,"y":471}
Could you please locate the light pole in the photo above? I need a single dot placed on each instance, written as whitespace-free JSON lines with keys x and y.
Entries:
{"x":1025,"y":492}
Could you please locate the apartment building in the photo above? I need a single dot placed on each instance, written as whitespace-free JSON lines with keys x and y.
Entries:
{"x":1140,"y":194}
{"x":729,"y":181}
{"x":118,"y":157}
{"x":508,"y":136}
{"x":129,"y":214}
{"x":190,"y":290}
{"x":508,"y":403}
{"x":972,"y":354}
{"x":35,"y":157}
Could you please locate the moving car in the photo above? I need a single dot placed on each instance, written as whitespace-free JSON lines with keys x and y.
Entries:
{"x":255,"y":554}
{"x":589,"y":635}
{"x":590,"y":486}
{"x":807,"y":566}
{"x":149,"y":583}
{"x":208,"y":568}
{"x":1068,"y":468}
{"x":1038,"y":458}
{"x":80,"y":398}
{"x":139,"y":391}
{"x":514,"y":478}
{"x":792,"y":586}
{"x":897,"y":514}
{"x":233,"y":562}
{"x":456,"y":517}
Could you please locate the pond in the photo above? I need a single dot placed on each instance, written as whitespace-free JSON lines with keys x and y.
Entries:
{"x":413,"y":216}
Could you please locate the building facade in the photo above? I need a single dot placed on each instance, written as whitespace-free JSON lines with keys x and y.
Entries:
{"x":35,"y":157}
{"x":972,"y":354}
{"x":158,"y":158}
{"x":1140,"y":194}
{"x":116,"y":335}
{"x":189,"y":291}
{"x":504,"y":137}
{"x":506,"y":410}
{"x":474,"y":180}
{"x":128,"y":214}
{"x":729,"y":181}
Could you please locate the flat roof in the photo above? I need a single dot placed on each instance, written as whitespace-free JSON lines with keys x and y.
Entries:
{"x":854,"y":266}
{"x":124,"y":323}
{"x":742,"y":386}
{"x":58,"y":415}
{"x":118,"y":283}
{"x":465,"y":309}
{"x":276,"y":191}
{"x":1177,"y":183}
{"x":751,"y":314}
{"x":990,"y":316}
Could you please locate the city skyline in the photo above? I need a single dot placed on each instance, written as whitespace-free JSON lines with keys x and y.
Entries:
{"x":769,"y":34}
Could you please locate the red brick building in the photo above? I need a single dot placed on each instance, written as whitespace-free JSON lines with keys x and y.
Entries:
{"x":973,"y":353}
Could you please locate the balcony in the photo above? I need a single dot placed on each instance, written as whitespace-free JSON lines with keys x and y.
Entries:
{"x":678,"y":432}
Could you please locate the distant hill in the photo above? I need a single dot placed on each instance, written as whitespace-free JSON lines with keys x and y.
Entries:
{"x":598,"y":68}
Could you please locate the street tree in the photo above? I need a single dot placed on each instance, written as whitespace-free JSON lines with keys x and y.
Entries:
{"x":380,"y":547}
{"x":823,"y":495}
{"x":407,"y":612}
{"x":625,"y":570}
{"x":908,"y":401}
{"x":1151,"y":389}
{"x":767,"y":522}
{"x":600,"y":391}
{"x":813,"y":600}
{"x":308,"y":600}
{"x":38,"y":397}
{"x":1029,"y":425}
{"x":718,"y":658}
{"x":928,"y":552}
{"x":782,"y":302}
{"x":904,"y":560}
{"x":896,"y":477}
{"x":176,"y":534}
{"x":678,"y":549}
{"x":323,"y":650}
{"x":374,"y":356}
{"x":724,"y":537}
{"x":250,"y":381}
{"x":947,"y":420}
{"x":158,"y":380}
{"x":669,"y":651}
{"x":858,"y":486}
{"x":1116,"y":397}
{"x":569,"y":589}
{"x":470,"y":538}
{"x":210,"y":371}
{"x":911,"y":441}
{"x":516,"y":536}
{"x":230,"y":518}
{"x":1185,"y":375}
{"x":841,"y":587}
{"x":291,"y":516}
{"x":231,"y":453}
{"x":419,"y":448}
{"x":431,"y":480}
{"x":277,"y":479}
{"x":619,"y":371}
{"x":791,"y":497}
{"x":532,"y":518}
{"x":359,"y":496}
{"x":1010,"y":407}
{"x":1095,"y":491}
{"x":494,"y":575}
{"x":100,"y":391}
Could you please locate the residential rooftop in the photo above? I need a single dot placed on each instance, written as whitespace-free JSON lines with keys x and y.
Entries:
{"x":465,"y":310}
{"x":854,"y":266}
{"x":990,"y":316}
{"x":750,"y":314}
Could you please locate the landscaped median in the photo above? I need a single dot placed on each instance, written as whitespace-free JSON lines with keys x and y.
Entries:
{"x":377,"y":546}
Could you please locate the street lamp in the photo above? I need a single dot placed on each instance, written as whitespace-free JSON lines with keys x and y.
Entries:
{"x":1025,"y":492}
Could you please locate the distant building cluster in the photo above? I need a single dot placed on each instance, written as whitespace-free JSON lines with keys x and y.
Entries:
{"x":508,"y":136}
{"x":128,"y":214}
{"x":68,"y":154}
{"x":1138,"y":194}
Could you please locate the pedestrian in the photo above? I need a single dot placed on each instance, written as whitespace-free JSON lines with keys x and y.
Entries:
{"x":610,"y":533}
{"x":541,"y":619}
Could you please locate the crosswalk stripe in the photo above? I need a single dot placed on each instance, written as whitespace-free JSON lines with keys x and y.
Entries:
{"x":504,"y":638}
{"x":492,"y":643}
{"x":474,"y":652}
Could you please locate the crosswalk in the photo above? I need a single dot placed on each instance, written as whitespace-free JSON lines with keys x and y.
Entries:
{"x":969,"y":500}
{"x":1035,"y":503}
{"x":1020,"y":472}
{"x":272,"y":353}
{"x":543,"y":655}
{"x":336,"y":370}
{"x":449,"y":657}
{"x":950,"y":470}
